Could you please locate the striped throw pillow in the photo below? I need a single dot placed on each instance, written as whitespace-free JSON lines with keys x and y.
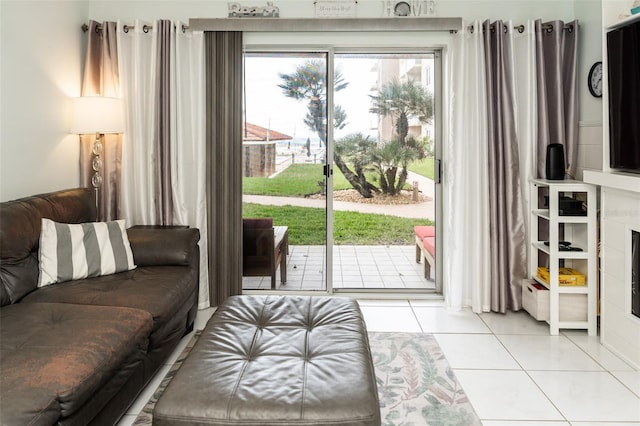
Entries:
{"x":76,"y":251}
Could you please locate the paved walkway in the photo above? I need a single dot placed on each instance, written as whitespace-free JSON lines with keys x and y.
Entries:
{"x":425,"y":210}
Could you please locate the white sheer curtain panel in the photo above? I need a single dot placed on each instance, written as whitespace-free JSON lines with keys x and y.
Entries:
{"x":138,"y":79}
{"x":524,"y":55}
{"x":466,"y":224}
{"x":189,"y":150}
{"x":142,"y":52}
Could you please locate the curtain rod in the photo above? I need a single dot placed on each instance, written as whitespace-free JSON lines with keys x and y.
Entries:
{"x":126,"y":28}
{"x":384,"y":24}
{"x":520,"y":28}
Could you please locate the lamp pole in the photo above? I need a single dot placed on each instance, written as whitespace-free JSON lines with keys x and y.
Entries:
{"x":97,"y":165}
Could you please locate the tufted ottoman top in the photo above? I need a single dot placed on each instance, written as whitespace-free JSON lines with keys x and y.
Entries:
{"x":276,"y":360}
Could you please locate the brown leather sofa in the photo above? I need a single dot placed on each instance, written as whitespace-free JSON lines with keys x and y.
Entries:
{"x":79,"y":352}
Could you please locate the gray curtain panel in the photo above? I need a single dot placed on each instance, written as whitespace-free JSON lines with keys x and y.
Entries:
{"x":101,"y":79}
{"x":507,"y":225}
{"x":162,"y":131}
{"x":556,"y":59}
{"x":223,"y":82}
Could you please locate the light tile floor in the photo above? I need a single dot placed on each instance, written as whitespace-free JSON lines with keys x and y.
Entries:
{"x":357,"y":267}
{"x":513,"y":371}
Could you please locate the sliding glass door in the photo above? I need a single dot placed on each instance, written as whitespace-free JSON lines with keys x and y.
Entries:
{"x":284,"y":171}
{"x":384,"y":154}
{"x":357,"y":197}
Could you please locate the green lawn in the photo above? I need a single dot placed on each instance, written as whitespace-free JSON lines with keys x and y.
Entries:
{"x":307,"y":225}
{"x":299,"y":180}
{"x":423,"y":167}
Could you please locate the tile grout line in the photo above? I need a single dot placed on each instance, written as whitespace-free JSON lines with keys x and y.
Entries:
{"x":524,"y":370}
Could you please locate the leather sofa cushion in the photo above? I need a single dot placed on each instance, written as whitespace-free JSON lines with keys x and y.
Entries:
{"x":159,"y":290}
{"x":269,"y":360}
{"x":152,"y":247}
{"x":55,"y":356}
{"x":20,"y":232}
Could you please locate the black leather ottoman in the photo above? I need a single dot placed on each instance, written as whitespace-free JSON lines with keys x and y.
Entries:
{"x":276,"y":360}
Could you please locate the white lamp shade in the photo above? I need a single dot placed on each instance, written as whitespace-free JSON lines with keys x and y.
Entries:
{"x":96,"y":114}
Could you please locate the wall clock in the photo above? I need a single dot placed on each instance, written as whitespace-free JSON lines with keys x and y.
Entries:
{"x":594,"y":81}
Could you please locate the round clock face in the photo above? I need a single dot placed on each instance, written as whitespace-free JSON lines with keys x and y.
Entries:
{"x":402,"y":8}
{"x":595,"y":80}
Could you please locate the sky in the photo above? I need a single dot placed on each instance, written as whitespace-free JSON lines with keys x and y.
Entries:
{"x":267,"y":106}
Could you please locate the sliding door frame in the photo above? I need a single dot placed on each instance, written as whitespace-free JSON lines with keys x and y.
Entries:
{"x":331,"y":51}
{"x":328,"y":51}
{"x":438,"y":109}
{"x":439,"y":129}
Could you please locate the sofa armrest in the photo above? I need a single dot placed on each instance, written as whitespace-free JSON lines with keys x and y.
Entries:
{"x":157,"y":247}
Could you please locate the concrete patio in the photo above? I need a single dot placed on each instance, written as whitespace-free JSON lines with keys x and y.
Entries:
{"x":355,"y":267}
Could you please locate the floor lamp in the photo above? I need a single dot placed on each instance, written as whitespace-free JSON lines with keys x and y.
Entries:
{"x":96,"y":115}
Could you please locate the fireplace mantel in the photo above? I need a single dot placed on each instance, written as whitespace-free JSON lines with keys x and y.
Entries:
{"x":618,"y":180}
{"x":619,"y":216}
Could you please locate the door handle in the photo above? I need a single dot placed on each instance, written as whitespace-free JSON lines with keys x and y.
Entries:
{"x":438,"y":171}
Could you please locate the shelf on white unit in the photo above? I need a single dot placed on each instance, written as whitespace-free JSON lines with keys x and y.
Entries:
{"x":564,"y":289}
{"x":562,"y":254}
{"x":543,"y":213}
{"x":573,"y":255}
{"x":542,"y":247}
{"x":575,"y":289}
{"x":568,"y":289}
{"x":542,"y":282}
{"x":566,"y":185}
{"x":573,"y":219}
{"x":572,"y":324}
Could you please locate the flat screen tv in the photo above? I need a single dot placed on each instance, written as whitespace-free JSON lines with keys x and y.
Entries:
{"x":623,"y":57}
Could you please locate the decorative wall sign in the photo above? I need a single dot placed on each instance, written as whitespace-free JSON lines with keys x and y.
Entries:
{"x":236,"y":10}
{"x":410,"y":7}
{"x":333,"y":8}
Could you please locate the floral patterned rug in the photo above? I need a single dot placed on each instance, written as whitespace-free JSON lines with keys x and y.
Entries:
{"x":416,"y":386}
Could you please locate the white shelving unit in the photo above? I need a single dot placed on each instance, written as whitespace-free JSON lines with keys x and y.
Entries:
{"x":580,"y":231}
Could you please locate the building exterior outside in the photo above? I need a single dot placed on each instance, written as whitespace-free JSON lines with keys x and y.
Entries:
{"x":259,"y":150}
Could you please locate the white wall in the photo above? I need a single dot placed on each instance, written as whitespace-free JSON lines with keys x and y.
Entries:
{"x":40,"y":69}
{"x":42,"y":58}
{"x":588,"y":12}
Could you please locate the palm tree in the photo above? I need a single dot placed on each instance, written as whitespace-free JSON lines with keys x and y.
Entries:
{"x":308,"y":83}
{"x":386,"y":160}
{"x":401,"y":101}
{"x":356,"y":149}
